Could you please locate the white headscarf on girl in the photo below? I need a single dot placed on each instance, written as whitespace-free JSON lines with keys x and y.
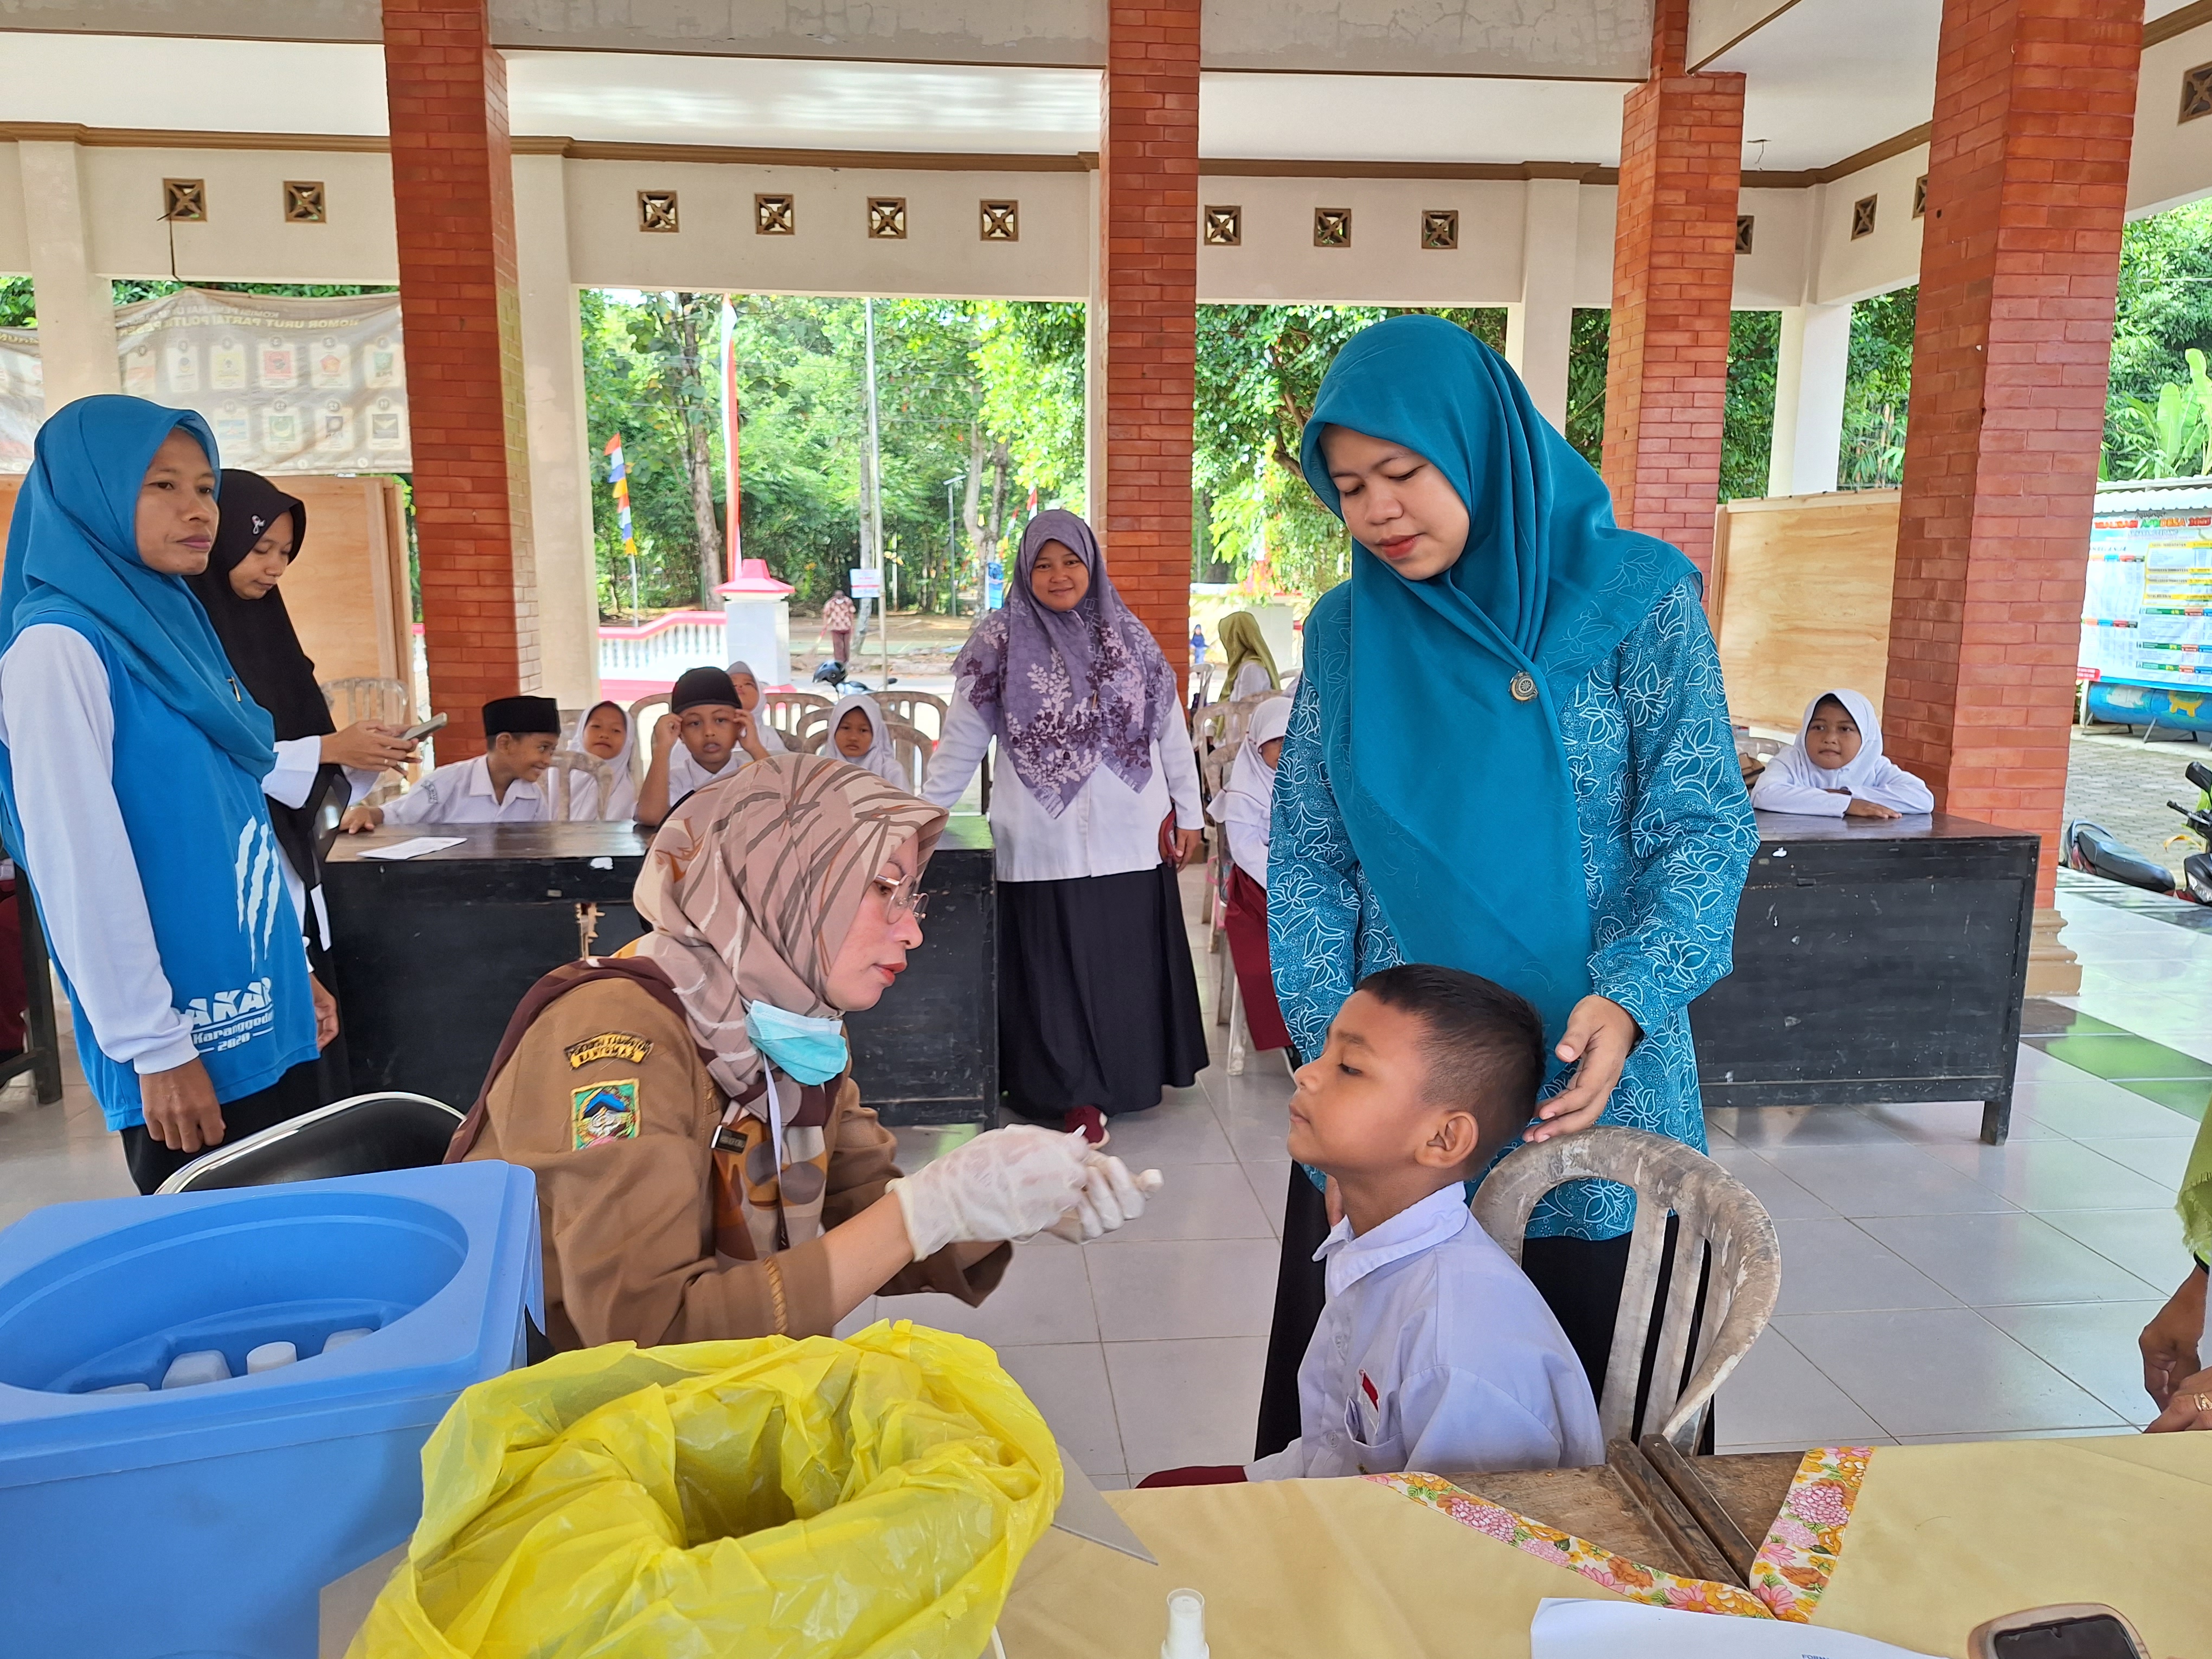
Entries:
{"x":771,"y":739}
{"x":880,"y":758}
{"x":621,"y":804}
{"x":1245,"y":806}
{"x":1793,"y":782}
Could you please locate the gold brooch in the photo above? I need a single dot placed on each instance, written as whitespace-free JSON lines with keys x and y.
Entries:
{"x":1523,"y":688}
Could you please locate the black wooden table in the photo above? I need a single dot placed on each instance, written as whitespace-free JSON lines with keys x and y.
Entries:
{"x":432,"y":954}
{"x":1874,"y":962}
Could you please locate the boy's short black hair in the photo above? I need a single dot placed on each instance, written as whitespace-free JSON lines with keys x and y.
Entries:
{"x":1485,"y":1048}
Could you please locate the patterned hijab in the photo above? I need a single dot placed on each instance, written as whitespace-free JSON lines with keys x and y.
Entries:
{"x":1066,"y":689}
{"x":750,"y":886}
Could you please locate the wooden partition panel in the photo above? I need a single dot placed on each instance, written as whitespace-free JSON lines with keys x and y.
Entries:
{"x":1799,"y":598}
{"x":348,"y":591}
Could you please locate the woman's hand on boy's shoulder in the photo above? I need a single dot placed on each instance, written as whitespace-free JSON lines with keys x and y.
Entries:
{"x":1599,"y":1035}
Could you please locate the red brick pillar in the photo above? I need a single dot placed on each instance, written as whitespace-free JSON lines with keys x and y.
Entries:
{"x":1148,"y":239}
{"x":2028,"y":173}
{"x":453,"y":186}
{"x":1674,"y":270}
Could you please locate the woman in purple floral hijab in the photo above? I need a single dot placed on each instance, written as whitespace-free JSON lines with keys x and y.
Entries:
{"x":1094,"y":808}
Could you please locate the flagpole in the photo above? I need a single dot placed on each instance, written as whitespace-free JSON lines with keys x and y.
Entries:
{"x":875,"y":502}
{"x":618,"y":475}
{"x":731,"y":540}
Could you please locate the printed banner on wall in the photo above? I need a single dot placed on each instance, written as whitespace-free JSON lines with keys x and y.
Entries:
{"x":2147,"y":610}
{"x":22,"y":398}
{"x":289,"y":386}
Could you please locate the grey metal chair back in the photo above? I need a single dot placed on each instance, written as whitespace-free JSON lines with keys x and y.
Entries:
{"x":364,"y":1134}
{"x":1721,"y":1226}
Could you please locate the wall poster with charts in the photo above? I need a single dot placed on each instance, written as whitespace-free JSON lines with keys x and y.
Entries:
{"x":2146,"y":608}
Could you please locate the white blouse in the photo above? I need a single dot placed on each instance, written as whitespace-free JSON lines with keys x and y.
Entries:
{"x":1108,"y":829}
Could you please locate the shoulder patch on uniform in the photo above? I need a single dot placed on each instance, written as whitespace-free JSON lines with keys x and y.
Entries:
{"x":604,"y":1111}
{"x":609,"y":1045}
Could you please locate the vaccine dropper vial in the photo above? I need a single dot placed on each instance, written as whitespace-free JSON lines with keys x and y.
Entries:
{"x":1186,"y":1627}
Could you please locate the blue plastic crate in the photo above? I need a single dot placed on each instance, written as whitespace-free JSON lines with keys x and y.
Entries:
{"x":204,"y":1521}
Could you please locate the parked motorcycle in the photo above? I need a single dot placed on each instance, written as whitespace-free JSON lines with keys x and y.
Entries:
{"x":2092,"y":848}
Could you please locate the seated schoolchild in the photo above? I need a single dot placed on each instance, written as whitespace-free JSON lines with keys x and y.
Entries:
{"x":1433,"y":1352}
{"x":1836,"y":769}
{"x":503,"y":785}
{"x":859,"y":736}
{"x":603,"y":732}
{"x":1244,"y":810}
{"x":748,"y":699}
{"x":706,"y":736}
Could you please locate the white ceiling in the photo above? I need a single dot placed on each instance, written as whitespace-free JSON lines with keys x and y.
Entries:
{"x":1828,"y":78}
{"x":199,"y":85}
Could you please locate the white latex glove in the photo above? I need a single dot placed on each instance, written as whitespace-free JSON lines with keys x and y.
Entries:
{"x":1009,"y":1184}
{"x":1111,"y":1196}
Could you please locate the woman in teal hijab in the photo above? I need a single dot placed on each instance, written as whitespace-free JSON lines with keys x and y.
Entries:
{"x":1511,"y":754}
{"x":130,"y":768}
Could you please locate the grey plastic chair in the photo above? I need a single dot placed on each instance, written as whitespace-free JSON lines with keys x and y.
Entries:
{"x":1721,"y":1224}
{"x":365,"y":1134}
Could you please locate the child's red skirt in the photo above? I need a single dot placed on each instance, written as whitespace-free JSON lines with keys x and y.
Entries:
{"x":1247,"y":925}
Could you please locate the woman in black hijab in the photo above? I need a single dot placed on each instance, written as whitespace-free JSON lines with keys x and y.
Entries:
{"x":261,"y":533}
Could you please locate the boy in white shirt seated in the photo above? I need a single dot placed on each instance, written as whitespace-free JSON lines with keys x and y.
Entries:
{"x":503,"y":785}
{"x":1434,"y":1352}
{"x":706,"y":736}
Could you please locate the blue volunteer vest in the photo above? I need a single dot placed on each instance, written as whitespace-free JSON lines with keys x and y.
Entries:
{"x":228,"y":937}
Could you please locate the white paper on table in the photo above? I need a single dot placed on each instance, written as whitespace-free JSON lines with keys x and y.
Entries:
{"x":1565,"y":1628}
{"x":415,"y":848}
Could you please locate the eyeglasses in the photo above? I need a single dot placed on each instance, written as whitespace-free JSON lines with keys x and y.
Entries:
{"x":900,"y":896}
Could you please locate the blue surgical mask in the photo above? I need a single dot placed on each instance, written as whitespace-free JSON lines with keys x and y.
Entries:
{"x":811,"y":1049}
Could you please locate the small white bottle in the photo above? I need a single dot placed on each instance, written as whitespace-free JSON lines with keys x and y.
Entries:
{"x":338,"y":1340}
{"x":1186,"y":1627}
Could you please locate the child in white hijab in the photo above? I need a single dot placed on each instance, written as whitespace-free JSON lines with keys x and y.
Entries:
{"x":865,"y":741}
{"x":748,"y":699}
{"x":1244,"y":808}
{"x":1836,"y":769}
{"x":606,"y":733}
{"x":1245,"y":811}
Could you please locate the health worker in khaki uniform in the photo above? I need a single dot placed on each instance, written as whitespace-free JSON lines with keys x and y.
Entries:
{"x":705,"y":1168}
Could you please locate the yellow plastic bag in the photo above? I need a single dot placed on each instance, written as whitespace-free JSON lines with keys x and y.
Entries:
{"x":772,"y":1497}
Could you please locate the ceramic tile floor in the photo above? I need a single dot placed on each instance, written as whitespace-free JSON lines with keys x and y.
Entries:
{"x":1933,"y":1288}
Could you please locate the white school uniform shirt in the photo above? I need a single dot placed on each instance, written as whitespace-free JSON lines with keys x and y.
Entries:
{"x":461,"y":794}
{"x":1252,"y":681}
{"x":1434,"y":1352}
{"x":1793,"y":783}
{"x":1108,"y":829}
{"x":685,"y":774}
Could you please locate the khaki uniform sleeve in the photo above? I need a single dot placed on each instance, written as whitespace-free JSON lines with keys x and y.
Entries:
{"x":626,"y":1209}
{"x":862,"y":1164}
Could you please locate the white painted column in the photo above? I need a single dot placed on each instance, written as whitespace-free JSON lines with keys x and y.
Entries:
{"x":1540,"y":331}
{"x":560,"y":464}
{"x":1809,"y":375}
{"x":77,"y":308}
{"x":1094,"y":358}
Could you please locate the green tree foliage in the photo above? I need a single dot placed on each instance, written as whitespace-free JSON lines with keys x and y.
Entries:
{"x":1589,"y":352}
{"x":17,"y":307}
{"x":1258,"y":370}
{"x":988,"y":393}
{"x":1877,"y":385}
{"x":1747,"y":426}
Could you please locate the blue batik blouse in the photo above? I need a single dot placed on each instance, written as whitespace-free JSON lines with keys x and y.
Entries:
{"x":1667,"y":837}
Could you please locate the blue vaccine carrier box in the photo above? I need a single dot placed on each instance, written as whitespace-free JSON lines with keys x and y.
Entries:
{"x":202,"y":1522}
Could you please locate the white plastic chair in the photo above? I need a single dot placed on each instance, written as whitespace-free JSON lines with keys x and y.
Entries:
{"x":1722,"y":1224}
{"x":561,"y":775}
{"x":907,"y":705}
{"x":791,"y":713}
{"x":368,"y":697}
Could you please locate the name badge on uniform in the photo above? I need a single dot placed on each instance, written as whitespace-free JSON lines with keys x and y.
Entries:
{"x":608,"y":1045}
{"x":604,"y":1111}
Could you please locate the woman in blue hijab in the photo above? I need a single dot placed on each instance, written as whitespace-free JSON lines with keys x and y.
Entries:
{"x":130,"y":768}
{"x":1509,"y":754}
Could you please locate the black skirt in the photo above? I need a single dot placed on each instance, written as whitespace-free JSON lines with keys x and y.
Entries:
{"x":1097,"y":998}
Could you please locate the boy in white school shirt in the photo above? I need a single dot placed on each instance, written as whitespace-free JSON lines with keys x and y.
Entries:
{"x":706,"y":736}
{"x":1433,"y":1352}
{"x":503,"y":785}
